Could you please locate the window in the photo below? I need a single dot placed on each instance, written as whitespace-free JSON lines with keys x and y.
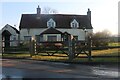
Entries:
{"x":74,"y":24}
{"x":27,"y":38}
{"x":41,"y":37}
{"x":14,"y":37}
{"x":51,"y":23}
{"x":52,"y":38}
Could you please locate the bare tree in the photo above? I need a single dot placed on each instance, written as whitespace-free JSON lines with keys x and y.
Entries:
{"x":48,"y":10}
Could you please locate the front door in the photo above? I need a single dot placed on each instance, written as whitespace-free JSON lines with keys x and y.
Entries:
{"x":6,"y":38}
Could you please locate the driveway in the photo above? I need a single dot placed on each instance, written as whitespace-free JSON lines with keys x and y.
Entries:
{"x":20,"y":68}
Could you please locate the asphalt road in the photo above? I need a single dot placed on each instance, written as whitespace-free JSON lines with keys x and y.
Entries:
{"x":15,"y":68}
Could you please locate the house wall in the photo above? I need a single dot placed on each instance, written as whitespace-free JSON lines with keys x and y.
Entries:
{"x":75,"y":32}
{"x":32,"y":32}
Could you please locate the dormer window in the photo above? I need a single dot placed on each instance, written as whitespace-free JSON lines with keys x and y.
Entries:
{"x":51,"y":23}
{"x":74,"y":24}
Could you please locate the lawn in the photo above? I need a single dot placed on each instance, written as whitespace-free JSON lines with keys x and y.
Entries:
{"x":114,"y":44}
{"x":108,"y":52}
{"x":18,"y":55}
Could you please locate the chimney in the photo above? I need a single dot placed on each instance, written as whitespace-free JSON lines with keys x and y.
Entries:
{"x":89,"y":14}
{"x":38,"y":10}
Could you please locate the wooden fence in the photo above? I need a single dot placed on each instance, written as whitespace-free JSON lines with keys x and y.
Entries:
{"x":18,"y":47}
{"x":71,"y":48}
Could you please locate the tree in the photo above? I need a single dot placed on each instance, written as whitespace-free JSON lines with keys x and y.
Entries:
{"x":48,"y":10}
{"x":100,"y":38}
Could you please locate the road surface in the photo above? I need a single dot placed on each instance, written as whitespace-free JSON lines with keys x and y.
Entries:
{"x":18,"y":68}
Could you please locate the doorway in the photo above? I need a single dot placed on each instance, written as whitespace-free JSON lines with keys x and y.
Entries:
{"x":6,"y":38}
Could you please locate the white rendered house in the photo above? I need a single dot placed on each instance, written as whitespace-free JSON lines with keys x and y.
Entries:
{"x":50,"y":27}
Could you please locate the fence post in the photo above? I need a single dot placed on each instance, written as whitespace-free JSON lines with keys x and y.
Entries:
{"x":73,"y":47}
{"x":89,"y":48}
{"x":70,"y":49}
{"x":35,"y":47}
{"x":31,"y":48}
{"x":3,"y":47}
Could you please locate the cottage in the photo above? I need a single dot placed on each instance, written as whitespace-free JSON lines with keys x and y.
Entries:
{"x":51,"y":27}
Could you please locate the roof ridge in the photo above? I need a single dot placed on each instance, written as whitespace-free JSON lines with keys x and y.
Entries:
{"x":58,"y":14}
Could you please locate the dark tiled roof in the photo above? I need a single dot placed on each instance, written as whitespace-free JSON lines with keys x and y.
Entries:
{"x":16,"y":30}
{"x":62,"y":20}
{"x":51,"y":31}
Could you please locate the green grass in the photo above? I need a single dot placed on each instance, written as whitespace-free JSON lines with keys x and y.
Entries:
{"x":108,"y":52}
{"x":50,"y":58}
{"x":65,"y":59}
{"x":114,"y":44}
{"x":22,"y":55}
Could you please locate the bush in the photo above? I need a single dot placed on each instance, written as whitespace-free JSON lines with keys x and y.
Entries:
{"x":100,"y":39}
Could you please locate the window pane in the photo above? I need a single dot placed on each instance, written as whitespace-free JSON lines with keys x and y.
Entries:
{"x":41,"y":38}
{"x":52,"y":38}
{"x":75,"y":25}
{"x":51,"y":23}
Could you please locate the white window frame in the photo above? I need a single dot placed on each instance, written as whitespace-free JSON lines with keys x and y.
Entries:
{"x":74,"y":24}
{"x":51,"y":23}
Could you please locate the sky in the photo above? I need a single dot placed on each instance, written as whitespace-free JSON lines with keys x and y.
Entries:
{"x":104,"y":13}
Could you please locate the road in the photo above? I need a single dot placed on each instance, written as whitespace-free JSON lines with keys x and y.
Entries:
{"x":18,"y":68}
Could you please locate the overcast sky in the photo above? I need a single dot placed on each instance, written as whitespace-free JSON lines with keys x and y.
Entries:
{"x":104,"y":12}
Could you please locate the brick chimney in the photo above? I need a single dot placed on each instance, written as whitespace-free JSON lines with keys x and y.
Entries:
{"x":38,"y":10}
{"x":89,"y":14}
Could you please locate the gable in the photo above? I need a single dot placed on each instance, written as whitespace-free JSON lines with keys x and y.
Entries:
{"x":11,"y":29}
{"x":62,"y":20}
{"x":74,"y":24}
{"x":51,"y":23}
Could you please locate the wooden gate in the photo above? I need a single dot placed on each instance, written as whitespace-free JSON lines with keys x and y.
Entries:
{"x":71,"y":48}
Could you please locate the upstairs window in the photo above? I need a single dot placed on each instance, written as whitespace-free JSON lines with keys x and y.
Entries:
{"x":74,"y":24}
{"x":51,"y":23}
